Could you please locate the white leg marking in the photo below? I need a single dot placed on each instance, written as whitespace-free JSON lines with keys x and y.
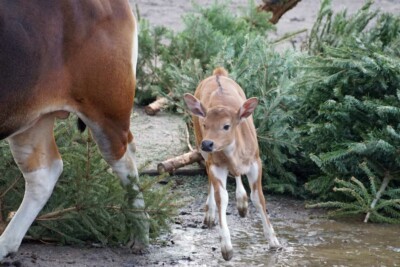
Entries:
{"x":39,"y":185}
{"x":221,"y":175}
{"x":269,"y":232}
{"x":241,"y":197}
{"x":210,"y":218}
{"x":127,"y":171}
{"x":125,"y":167}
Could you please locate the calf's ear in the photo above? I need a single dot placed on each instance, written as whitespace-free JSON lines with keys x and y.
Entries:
{"x":247,"y":108}
{"x":194,"y":105}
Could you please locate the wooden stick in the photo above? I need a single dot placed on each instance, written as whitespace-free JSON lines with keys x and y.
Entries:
{"x":378,"y":195}
{"x":188,"y":138}
{"x":171,"y":165}
{"x":278,"y":8}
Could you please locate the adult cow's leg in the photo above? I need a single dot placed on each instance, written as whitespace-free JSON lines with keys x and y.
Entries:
{"x":118,"y":148}
{"x":127,"y":171}
{"x":37,"y":156}
{"x":218,"y":178}
{"x":257,"y":197}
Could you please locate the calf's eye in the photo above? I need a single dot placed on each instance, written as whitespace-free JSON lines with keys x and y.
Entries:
{"x":226,"y":127}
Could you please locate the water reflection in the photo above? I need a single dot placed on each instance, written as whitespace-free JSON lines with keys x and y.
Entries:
{"x":318,"y":242}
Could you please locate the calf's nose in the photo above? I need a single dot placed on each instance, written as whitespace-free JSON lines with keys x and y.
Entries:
{"x":207,"y":145}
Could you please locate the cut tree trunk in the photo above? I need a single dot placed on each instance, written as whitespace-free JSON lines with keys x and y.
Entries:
{"x":277,"y":7}
{"x":171,"y":165}
{"x":156,"y":106}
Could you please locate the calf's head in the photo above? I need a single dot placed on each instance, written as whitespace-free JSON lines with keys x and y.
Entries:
{"x":218,"y":124}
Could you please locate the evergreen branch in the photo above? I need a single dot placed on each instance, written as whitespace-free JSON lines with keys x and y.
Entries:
{"x":10,"y":187}
{"x":288,"y":36}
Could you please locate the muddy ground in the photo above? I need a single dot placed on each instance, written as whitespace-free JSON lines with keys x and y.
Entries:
{"x":308,"y":239}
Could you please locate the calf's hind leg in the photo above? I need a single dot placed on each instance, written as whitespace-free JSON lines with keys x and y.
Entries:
{"x":211,"y":207}
{"x":241,"y":197}
{"x":37,"y":156}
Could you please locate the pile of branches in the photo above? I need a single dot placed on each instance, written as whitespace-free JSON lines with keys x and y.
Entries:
{"x":328,"y":121}
{"x":88,"y":205}
{"x":350,"y":112}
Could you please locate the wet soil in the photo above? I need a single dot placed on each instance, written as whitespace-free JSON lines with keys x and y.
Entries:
{"x":307,"y":238}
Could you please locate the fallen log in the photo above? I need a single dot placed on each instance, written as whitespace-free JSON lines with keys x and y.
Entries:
{"x":153,"y":108}
{"x":178,"y":172}
{"x":277,"y":7}
{"x":171,"y":165}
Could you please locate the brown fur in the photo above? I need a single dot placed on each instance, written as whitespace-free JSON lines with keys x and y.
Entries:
{"x":226,"y":136}
{"x":59,"y":57}
{"x":72,"y":56}
{"x":225,"y":106}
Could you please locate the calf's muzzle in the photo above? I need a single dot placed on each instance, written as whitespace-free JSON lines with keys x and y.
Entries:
{"x":207,"y":145}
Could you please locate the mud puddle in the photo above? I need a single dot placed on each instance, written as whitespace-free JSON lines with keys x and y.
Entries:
{"x":307,"y":238}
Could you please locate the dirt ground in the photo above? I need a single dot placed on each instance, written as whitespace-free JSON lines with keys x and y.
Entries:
{"x":308,"y":240}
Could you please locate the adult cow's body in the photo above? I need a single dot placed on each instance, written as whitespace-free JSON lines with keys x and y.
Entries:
{"x":58,"y":57}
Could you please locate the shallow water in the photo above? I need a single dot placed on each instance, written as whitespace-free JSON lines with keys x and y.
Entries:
{"x":308,"y":240}
{"x":305,"y":243}
{"x":323,"y":242}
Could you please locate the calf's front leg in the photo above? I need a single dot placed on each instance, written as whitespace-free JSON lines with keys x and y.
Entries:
{"x":218,"y":178}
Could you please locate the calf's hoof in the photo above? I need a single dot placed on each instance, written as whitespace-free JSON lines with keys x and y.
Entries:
{"x":227,"y":254}
{"x":242,"y":212}
{"x":242,"y":205}
{"x":209,"y":221}
{"x":274,"y":244}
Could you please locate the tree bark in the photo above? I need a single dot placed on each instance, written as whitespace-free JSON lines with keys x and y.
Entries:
{"x":171,"y":165}
{"x":156,"y":106}
{"x":278,"y":8}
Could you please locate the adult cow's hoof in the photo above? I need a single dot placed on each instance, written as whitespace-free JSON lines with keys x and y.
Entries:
{"x":139,"y":245}
{"x":5,"y":251}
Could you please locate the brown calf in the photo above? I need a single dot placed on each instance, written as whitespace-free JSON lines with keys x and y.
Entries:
{"x":58,"y":57}
{"x":227,"y":138}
